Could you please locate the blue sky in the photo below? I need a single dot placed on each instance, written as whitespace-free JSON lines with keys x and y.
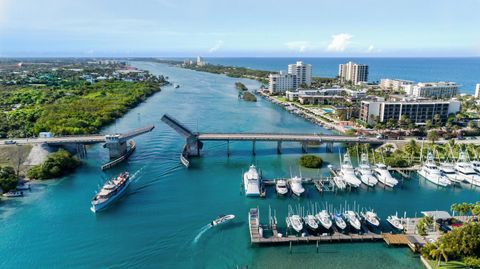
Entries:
{"x":239,"y":28}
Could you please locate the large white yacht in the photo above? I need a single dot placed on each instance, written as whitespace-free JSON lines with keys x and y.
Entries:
{"x":296,"y":185}
{"x":431,"y":172}
{"x":295,"y":222}
{"x":384,"y":176}
{"x":281,"y":186}
{"x":352,"y":218}
{"x":111,"y":191}
{"x":364,"y":171}
{"x":448,"y":170}
{"x":251,"y":182}
{"x":324,"y":219}
{"x":465,"y":169}
{"x":348,"y":173}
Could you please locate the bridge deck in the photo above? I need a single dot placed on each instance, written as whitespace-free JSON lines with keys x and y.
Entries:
{"x":285,"y":137}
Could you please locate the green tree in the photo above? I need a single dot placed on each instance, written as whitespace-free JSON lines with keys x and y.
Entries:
{"x":8,"y":178}
{"x":433,"y":136}
{"x":311,"y":161}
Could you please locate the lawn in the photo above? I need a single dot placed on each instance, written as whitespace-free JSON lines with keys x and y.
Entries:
{"x":446,"y":265}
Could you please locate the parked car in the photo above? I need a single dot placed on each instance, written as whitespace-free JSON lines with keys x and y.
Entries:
{"x":361,"y":137}
{"x":10,"y":142}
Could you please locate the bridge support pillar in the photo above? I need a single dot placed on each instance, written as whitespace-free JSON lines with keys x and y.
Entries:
{"x":228,"y":148}
{"x":329,"y":147}
{"x":279,"y":147}
{"x":253,"y":147}
{"x":116,"y":149}
{"x":193,"y":146}
{"x":304,"y":147}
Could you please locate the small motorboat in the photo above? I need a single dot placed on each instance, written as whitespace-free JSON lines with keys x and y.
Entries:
{"x":311,"y":223}
{"x":324,"y":218}
{"x":339,"y":221}
{"x":395,"y":222}
{"x":13,"y":194}
{"x":222,"y":219}
{"x":371,"y":218}
{"x":353,"y":219}
{"x":295,"y":222}
{"x":281,"y":187}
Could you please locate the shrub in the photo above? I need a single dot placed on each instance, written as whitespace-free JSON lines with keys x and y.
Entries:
{"x":8,"y":179}
{"x":311,"y":161}
{"x":57,"y":164}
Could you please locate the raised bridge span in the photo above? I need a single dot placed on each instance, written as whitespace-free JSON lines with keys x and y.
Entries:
{"x":194,"y":140}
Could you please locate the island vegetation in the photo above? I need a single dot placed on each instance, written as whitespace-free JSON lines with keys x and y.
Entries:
{"x":240,"y":86}
{"x":249,"y":97}
{"x":8,"y":178}
{"x":58,"y":164}
{"x":311,"y":161}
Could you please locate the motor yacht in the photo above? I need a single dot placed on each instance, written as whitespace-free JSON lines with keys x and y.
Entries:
{"x":222,"y":219}
{"x":281,"y":186}
{"x":352,"y":218}
{"x":371,"y":218}
{"x":395,"y":222}
{"x":11,"y":194}
{"x":431,"y":172}
{"x":111,"y":191}
{"x":384,"y":176}
{"x":348,"y":173}
{"x":251,"y":182}
{"x":364,"y":171}
{"x":311,"y":223}
{"x":324,"y":219}
{"x":296,"y":186}
{"x":295,"y":222}
{"x":339,"y":221}
{"x":466,"y":171}
{"x":448,"y":170}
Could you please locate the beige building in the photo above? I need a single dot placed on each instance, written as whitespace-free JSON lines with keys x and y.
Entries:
{"x":394,"y":84}
{"x":356,"y":73}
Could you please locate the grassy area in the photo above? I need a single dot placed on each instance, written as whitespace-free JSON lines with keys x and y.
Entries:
{"x":446,"y":265}
{"x":10,"y":154}
{"x":280,"y":98}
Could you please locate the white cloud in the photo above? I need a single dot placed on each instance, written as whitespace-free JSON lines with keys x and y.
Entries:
{"x":372,"y":49}
{"x":299,"y":46}
{"x":216,"y":47}
{"x":339,"y":42}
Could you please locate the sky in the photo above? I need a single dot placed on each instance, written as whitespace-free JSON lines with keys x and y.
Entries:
{"x":224,"y":28}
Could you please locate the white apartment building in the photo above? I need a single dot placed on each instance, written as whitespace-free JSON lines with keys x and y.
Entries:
{"x":282,"y":82}
{"x":432,"y":89}
{"x":201,"y":61}
{"x":394,"y":84}
{"x":477,"y":91}
{"x":356,"y":73}
{"x":302,"y":72}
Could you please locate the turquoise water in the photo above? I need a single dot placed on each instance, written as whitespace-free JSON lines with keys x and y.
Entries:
{"x":161,"y":222}
{"x":327,"y":110}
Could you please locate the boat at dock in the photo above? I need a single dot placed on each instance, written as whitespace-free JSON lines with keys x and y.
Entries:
{"x":324,"y":219}
{"x":23,"y":187}
{"x":430,"y":172}
{"x":251,"y":182}
{"x":12,"y":194}
{"x":466,"y":171}
{"x":352,"y":218}
{"x":311,"y":222}
{"x":348,"y":173}
{"x":384,"y":176}
{"x":281,"y":187}
{"x":448,"y":170}
{"x":371,"y":218}
{"x":395,"y":222}
{"x":111,"y":191}
{"x":222,"y":219}
{"x":295,"y":222}
{"x":340,"y":183}
{"x":364,"y":171}
{"x":339,"y":221}
{"x":296,"y":186}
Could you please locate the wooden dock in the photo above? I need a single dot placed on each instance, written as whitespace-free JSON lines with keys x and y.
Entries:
{"x":336,"y":237}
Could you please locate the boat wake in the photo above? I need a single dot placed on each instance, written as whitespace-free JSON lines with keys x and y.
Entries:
{"x":201,"y":232}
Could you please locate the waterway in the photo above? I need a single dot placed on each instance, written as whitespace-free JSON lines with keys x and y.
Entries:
{"x":161,"y":222}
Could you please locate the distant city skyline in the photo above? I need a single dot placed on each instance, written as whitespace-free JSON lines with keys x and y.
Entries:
{"x":215,"y":28}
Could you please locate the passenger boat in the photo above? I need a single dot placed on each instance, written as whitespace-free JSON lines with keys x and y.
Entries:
{"x":384,"y":176}
{"x":352,"y":218}
{"x":296,"y":186}
{"x":339,"y":221}
{"x":466,"y":171}
{"x":324,"y":219}
{"x":251,"y":182}
{"x":395,"y":222}
{"x":281,"y":186}
{"x":111,"y":191}
{"x":311,"y":223}
{"x":448,"y":170}
{"x":222,"y":219}
{"x":348,"y":173}
{"x":371,"y":218}
{"x":11,"y":194}
{"x":295,"y":222}
{"x":430,"y":172}
{"x":364,"y":171}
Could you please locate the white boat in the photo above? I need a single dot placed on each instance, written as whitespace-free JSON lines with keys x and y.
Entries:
{"x":324,"y":219}
{"x":112,"y":190}
{"x":251,"y":182}
{"x":352,"y":218}
{"x":384,"y":176}
{"x":364,"y":171}
{"x":339,"y":221}
{"x":340,"y":183}
{"x":311,"y":222}
{"x":348,"y":173}
{"x":295,"y":222}
{"x":23,"y":187}
{"x":431,"y":172}
{"x":476,"y":166}
{"x":395,"y":222}
{"x":466,"y":171}
{"x":222,"y":219}
{"x":371,"y":218}
{"x":296,"y":186}
{"x":11,"y":194}
{"x":448,"y":170}
{"x":281,"y":187}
